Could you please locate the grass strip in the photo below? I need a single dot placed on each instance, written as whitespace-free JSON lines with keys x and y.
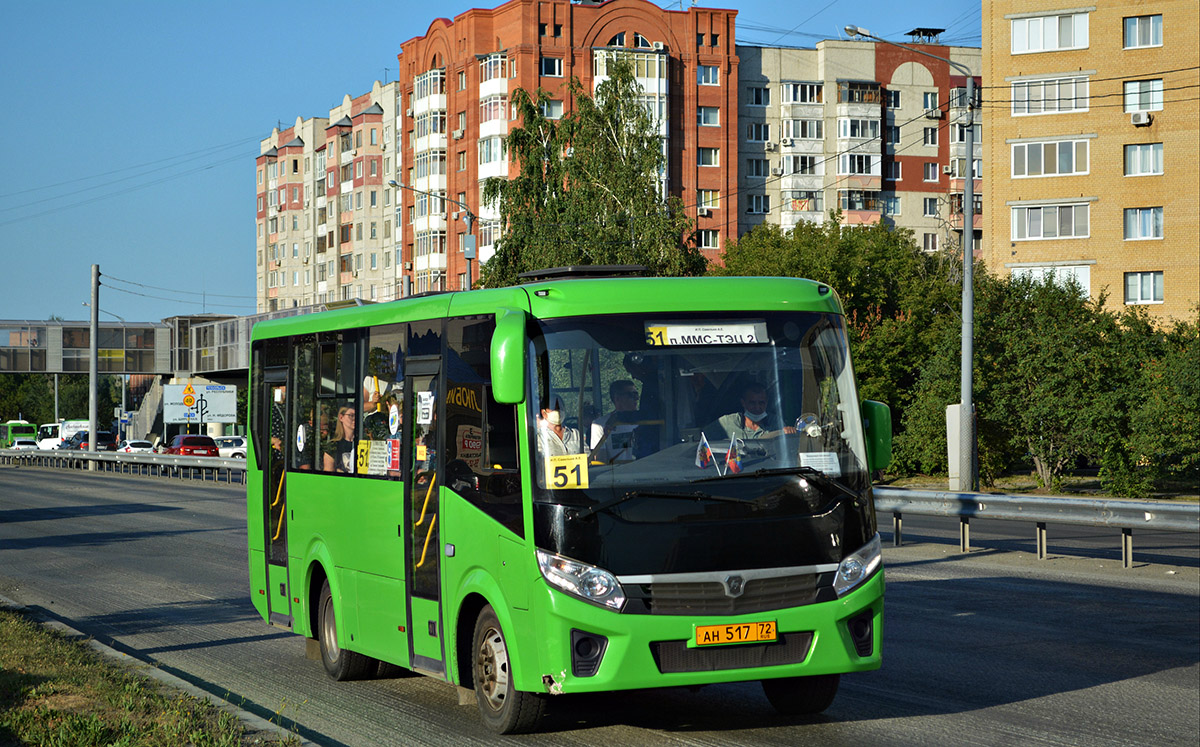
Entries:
{"x":55,"y":690}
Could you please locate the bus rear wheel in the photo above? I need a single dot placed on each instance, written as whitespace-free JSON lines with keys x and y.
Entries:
{"x":504,"y":709}
{"x":802,"y":696}
{"x":340,"y":664}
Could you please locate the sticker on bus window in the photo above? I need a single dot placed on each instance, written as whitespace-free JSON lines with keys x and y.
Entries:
{"x":826,"y":461}
{"x":665,"y":334}
{"x":567,"y":471}
{"x":424,"y":408}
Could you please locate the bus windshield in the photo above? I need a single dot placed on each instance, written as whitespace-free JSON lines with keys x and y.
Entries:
{"x":669,"y":435}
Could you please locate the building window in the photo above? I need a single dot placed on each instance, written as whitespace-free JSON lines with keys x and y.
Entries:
{"x":552,"y":67}
{"x":1060,"y":275}
{"x":931,"y":136}
{"x":708,"y":116}
{"x":958,"y":133}
{"x":708,"y":238}
{"x":931,"y":172}
{"x":803,"y":165}
{"x":1144,"y":95}
{"x":804,"y":129}
{"x":858,"y":128}
{"x":1143,"y":287}
{"x":758,"y":167}
{"x":1143,"y":223}
{"x":1143,"y":160}
{"x":758,"y":132}
{"x":891,"y":99}
{"x":552,"y":109}
{"x":1050,"y":159}
{"x":804,"y":201}
{"x":930,"y":207}
{"x":893,"y":171}
{"x":709,"y":198}
{"x":858,"y":92}
{"x":858,"y":199}
{"x":758,"y":204}
{"x":1143,"y":31}
{"x":708,"y":75}
{"x":802,"y":93}
{"x":891,"y":205}
{"x":493,"y":108}
{"x":708,"y":156}
{"x":1049,"y":96}
{"x":1050,"y":222}
{"x":491,"y":150}
{"x":759,"y":96}
{"x":930,"y":242}
{"x":1049,"y":33}
{"x":858,"y":163}
{"x":930,"y":100}
{"x":891,"y":134}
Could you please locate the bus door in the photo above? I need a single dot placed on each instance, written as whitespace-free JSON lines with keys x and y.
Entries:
{"x":422,"y":439}
{"x":274,"y":401}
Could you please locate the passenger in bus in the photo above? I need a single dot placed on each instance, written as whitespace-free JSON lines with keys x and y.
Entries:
{"x":752,"y":420}
{"x":339,"y":451}
{"x":555,"y":438}
{"x":377,"y":401}
{"x":612,"y":434}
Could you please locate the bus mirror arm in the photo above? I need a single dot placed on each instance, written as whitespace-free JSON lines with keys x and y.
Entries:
{"x":508,"y":357}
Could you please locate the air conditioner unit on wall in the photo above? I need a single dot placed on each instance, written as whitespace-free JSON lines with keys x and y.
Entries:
{"x":458,"y":134}
{"x":777,"y":171}
{"x":946,"y":169}
{"x":933,"y":113}
{"x":769,"y":145}
{"x":1140,"y":119}
{"x":703,"y":212}
{"x":658,"y":46}
{"x":786,"y":141}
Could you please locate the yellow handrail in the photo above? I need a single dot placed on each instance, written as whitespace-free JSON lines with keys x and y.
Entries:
{"x":428,"y":536}
{"x":428,"y":493}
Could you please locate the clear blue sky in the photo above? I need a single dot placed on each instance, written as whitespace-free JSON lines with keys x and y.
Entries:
{"x":133,"y":126}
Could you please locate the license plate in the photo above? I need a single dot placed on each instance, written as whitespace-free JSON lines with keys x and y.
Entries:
{"x":751,"y":632}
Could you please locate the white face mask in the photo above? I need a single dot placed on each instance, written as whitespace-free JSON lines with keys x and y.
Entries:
{"x":756,"y":416}
{"x":554,"y":417}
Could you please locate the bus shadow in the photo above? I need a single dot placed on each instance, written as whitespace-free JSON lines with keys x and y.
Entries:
{"x":19,"y":515}
{"x":950,"y":646}
{"x":92,"y":539}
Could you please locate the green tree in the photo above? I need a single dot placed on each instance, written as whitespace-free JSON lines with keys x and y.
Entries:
{"x":588,"y":188}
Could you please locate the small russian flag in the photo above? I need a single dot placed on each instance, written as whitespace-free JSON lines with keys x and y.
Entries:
{"x":733,"y":464}
{"x":704,"y":455}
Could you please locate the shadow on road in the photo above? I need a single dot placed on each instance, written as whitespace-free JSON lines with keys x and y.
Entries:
{"x":18,"y":515}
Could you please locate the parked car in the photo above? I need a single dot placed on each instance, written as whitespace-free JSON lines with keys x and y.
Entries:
{"x":185,"y":445}
{"x":232,"y":447}
{"x":24,"y":444}
{"x":105,"y":441}
{"x":135,"y":447}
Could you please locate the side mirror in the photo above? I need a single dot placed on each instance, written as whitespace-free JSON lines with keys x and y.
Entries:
{"x":877,"y":422}
{"x":508,"y":357}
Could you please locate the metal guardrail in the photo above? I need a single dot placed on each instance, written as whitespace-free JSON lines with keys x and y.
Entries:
{"x":151,"y":465}
{"x":1041,"y":510}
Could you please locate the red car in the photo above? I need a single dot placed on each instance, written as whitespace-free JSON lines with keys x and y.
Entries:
{"x":193,"y":446}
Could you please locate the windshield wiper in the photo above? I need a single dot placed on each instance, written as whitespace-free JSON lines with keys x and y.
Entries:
{"x":818,"y":475}
{"x":695,"y":495}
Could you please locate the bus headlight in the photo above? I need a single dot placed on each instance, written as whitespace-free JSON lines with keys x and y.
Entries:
{"x":858,"y":566}
{"x":589,"y":583}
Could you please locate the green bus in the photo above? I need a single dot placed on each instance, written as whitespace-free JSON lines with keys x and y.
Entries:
{"x":573,"y":485}
{"x":11,"y":430}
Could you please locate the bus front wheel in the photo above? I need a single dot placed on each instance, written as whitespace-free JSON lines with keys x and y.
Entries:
{"x":801,"y":696}
{"x":339,"y":663}
{"x":504,"y":709}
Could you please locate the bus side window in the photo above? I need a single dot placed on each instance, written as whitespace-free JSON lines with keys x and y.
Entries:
{"x":337,"y":401}
{"x":480,"y":434}
{"x":302,"y":434}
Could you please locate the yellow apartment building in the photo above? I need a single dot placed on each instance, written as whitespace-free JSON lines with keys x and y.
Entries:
{"x":1092,"y":147}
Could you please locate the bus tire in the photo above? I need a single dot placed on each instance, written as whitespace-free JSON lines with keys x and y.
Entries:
{"x":504,"y":709}
{"x":802,"y":696}
{"x":340,"y":664}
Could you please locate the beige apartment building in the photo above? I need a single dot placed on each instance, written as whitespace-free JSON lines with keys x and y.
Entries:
{"x":871,"y":128}
{"x":1092,"y":140}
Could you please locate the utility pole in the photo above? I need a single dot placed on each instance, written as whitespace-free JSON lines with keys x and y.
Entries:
{"x":93,"y":363}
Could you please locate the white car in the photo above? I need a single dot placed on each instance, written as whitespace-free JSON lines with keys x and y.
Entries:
{"x":24,"y":444}
{"x":231,"y":447}
{"x":135,"y":447}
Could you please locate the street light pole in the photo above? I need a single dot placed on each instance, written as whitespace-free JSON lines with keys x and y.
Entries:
{"x":469,"y":248}
{"x":967,"y":461}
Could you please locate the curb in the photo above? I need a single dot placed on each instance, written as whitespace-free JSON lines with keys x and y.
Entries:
{"x":151,"y":670}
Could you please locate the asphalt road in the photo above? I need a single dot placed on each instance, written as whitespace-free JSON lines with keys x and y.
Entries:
{"x":992,"y":647}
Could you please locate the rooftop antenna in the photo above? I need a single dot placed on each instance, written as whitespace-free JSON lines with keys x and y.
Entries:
{"x":922,"y":35}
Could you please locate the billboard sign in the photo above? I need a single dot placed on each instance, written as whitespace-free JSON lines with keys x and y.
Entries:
{"x":200,"y":403}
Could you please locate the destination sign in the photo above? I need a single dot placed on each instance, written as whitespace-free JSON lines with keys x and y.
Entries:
{"x":722,"y":333}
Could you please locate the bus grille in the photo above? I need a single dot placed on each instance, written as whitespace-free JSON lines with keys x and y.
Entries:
{"x":709,"y":598}
{"x":675,"y":656}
